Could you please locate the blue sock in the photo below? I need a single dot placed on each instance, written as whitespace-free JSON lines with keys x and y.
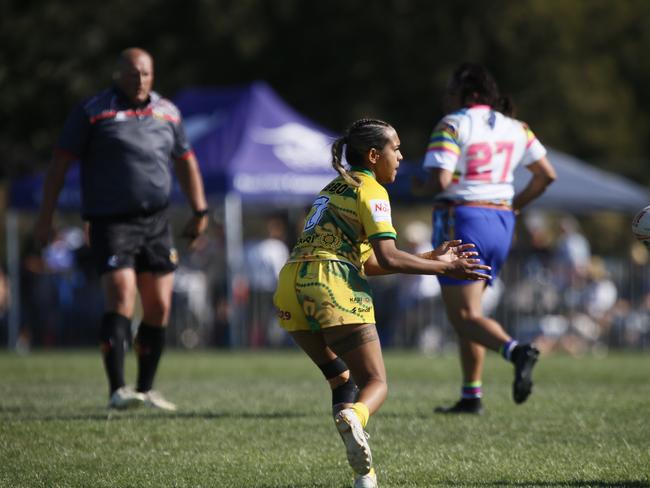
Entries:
{"x":506,"y":349}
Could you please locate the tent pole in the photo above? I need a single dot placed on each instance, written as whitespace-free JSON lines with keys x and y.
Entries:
{"x":13,"y":278}
{"x":235,"y":260}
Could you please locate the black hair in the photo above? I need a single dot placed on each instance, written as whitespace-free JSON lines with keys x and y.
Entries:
{"x":360,"y":137}
{"x":473,"y":83}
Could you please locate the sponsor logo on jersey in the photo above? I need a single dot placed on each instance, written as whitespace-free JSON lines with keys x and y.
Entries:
{"x":360,"y":299}
{"x":380,"y":210}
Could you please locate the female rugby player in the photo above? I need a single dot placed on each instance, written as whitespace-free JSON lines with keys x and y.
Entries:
{"x":323,"y":298}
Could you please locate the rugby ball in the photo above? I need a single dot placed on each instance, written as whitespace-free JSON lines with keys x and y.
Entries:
{"x":641,"y":226}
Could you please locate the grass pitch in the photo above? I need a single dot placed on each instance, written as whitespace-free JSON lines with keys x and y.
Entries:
{"x":261,"y":419}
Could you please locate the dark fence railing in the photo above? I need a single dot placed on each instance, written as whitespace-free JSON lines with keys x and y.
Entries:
{"x":592,"y":311}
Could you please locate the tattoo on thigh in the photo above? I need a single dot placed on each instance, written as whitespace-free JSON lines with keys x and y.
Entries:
{"x":354,"y":340}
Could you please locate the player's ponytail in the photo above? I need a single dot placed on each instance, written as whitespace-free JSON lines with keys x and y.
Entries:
{"x":337,"y":160}
{"x":360,"y":138}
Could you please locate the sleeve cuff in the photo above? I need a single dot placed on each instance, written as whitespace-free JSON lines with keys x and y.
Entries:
{"x":380,"y":235}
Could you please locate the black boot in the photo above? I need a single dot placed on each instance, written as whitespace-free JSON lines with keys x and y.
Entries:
{"x":471,"y":406}
{"x":524,"y":358}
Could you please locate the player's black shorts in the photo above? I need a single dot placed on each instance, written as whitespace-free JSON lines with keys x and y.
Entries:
{"x":142,"y":243}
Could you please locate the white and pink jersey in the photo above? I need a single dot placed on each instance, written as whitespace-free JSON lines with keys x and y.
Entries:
{"x":482,"y":148}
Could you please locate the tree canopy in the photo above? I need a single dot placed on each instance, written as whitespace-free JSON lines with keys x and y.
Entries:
{"x":574,"y":69}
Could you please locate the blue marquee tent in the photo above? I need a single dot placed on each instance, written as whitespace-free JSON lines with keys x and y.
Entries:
{"x":252,"y":146}
{"x":247,"y":140}
{"x":580,"y":188}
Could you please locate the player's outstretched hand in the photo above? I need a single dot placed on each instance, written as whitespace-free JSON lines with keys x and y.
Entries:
{"x":465,"y":266}
{"x":450,"y":251}
{"x":469,"y":269}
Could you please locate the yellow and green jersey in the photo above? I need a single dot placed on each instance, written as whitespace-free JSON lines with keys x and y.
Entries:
{"x":343,"y":219}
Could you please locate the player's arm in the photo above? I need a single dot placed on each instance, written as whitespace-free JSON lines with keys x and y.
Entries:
{"x":543,"y":174}
{"x":441,"y":158}
{"x":437,"y":181}
{"x":447,"y":251}
{"x":387,"y":258}
{"x":54,"y":180}
{"x":191,"y":182}
{"x":70,"y":146}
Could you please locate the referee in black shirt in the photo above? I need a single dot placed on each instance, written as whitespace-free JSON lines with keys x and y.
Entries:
{"x":126,"y":137}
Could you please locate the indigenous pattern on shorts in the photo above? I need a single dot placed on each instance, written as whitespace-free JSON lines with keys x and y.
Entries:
{"x":343,"y":219}
{"x":337,"y":296}
{"x":313,"y":295}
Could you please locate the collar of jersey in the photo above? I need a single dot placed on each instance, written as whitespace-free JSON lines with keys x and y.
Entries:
{"x":363,"y":170}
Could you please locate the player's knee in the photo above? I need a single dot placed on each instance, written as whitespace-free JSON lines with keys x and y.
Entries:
{"x":376,"y":380}
{"x":121,"y":302}
{"x":379,"y":381}
{"x":470,"y":315}
{"x":336,"y":372}
{"x":156,"y":312}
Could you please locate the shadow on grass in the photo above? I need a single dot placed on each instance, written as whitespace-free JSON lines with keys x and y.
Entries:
{"x":574,"y":483}
{"x":542,"y":484}
{"x":423,"y":415}
{"x":310,"y":484}
{"x":20,"y":415}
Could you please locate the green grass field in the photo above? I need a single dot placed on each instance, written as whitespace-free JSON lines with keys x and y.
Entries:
{"x":261,"y":419}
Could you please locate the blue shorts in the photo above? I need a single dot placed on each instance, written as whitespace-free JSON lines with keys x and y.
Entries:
{"x":488,"y":228}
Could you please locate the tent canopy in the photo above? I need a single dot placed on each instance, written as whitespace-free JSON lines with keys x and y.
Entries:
{"x":579,"y":189}
{"x":247,"y":140}
{"x":250,"y":142}
{"x":582,"y":188}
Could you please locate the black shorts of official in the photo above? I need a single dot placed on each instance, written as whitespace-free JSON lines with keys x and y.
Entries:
{"x":144,"y":243}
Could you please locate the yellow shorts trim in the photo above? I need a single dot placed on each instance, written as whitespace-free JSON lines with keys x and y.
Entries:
{"x":314,"y":295}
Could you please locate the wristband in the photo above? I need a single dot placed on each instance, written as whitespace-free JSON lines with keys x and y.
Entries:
{"x":201,"y":213}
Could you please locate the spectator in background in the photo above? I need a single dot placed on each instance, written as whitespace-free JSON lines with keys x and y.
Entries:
{"x":471,"y":157}
{"x":415,"y":295}
{"x":4,"y":305}
{"x":585,"y":327}
{"x":199,"y":311}
{"x":599,"y":293}
{"x":125,"y":138}
{"x":39,"y":312}
{"x":77,"y":301}
{"x":263,"y":260}
{"x":572,"y":253}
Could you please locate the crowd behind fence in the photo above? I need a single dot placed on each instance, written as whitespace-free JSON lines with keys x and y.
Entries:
{"x":561,"y":296}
